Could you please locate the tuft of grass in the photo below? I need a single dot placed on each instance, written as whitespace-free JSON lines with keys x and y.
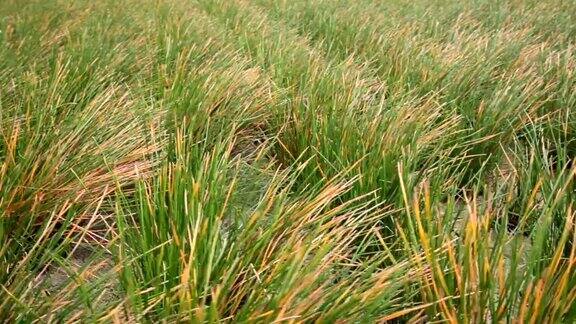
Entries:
{"x":289,"y":258}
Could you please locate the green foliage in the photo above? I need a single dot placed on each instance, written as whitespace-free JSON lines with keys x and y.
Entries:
{"x":290,"y":161}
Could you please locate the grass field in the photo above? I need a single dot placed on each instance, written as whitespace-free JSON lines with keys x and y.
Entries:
{"x":287,"y":161}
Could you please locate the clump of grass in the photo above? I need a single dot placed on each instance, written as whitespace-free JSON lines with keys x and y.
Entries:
{"x":286,"y":259}
{"x":475,"y":268}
